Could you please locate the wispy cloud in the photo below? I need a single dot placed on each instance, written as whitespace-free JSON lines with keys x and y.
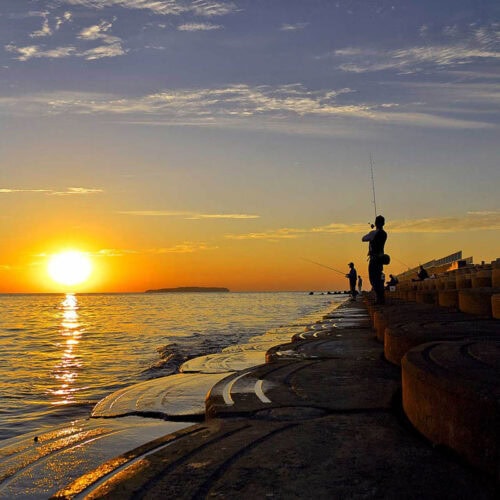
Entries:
{"x":471,"y":221}
{"x":272,"y":107}
{"x":199,"y":27}
{"x":10,"y":190}
{"x":184,"y":247}
{"x":110,"y":46}
{"x":206,"y":8}
{"x":77,"y":191}
{"x":293,"y":27}
{"x":52,"y":192}
{"x":57,"y":22}
{"x":112,"y":50}
{"x":238,"y":100}
{"x":271,"y":235}
{"x":186,"y":215}
{"x":35,"y":52}
{"x":480,"y":44}
{"x":44,"y":30}
{"x":99,"y":32}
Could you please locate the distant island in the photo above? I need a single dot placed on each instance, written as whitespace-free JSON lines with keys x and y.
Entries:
{"x":189,"y":289}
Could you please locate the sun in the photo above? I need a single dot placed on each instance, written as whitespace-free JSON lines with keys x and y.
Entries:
{"x":70,"y":267}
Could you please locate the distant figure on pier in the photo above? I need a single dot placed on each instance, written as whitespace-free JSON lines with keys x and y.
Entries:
{"x":353,"y":276}
{"x":422,"y":274}
{"x":376,"y":239}
{"x":360,"y":284}
{"x":393,"y":281}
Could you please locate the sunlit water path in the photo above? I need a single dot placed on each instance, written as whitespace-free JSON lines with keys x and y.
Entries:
{"x":61,"y":354}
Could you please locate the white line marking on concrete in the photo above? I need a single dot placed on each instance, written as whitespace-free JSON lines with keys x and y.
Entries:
{"x":260,"y":393}
{"x":226,"y":393}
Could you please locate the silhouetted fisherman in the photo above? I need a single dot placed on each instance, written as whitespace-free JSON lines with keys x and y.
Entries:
{"x":376,"y":239}
{"x":353,"y":276}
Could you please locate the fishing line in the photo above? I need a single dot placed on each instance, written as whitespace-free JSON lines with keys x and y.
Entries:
{"x":323,"y":265}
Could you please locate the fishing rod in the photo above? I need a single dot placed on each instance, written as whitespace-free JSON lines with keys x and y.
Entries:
{"x":373,"y":185}
{"x":323,"y":265}
{"x":401,"y":262}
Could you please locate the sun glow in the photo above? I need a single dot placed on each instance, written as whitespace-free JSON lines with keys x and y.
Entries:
{"x":69,"y":268}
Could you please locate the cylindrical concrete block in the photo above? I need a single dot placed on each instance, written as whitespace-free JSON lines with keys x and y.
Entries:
{"x":495,"y":306}
{"x":476,"y":301}
{"x":400,"y":338}
{"x":463,"y":280}
{"x":452,"y":396}
{"x":450,"y":283}
{"x":379,"y":324}
{"x":448,"y":298}
{"x":426,"y":296}
{"x":495,"y":277}
{"x":481,"y":279}
{"x":440,"y":283}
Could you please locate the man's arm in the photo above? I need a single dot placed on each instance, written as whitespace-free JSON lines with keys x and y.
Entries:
{"x":370,"y":235}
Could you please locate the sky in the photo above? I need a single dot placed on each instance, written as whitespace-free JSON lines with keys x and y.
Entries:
{"x":226,"y":143}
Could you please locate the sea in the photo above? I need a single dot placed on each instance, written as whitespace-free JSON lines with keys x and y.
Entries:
{"x":61,"y":354}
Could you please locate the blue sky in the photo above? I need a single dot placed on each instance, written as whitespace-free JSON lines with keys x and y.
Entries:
{"x":257,"y":115}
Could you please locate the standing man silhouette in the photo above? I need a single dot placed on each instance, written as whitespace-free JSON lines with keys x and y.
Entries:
{"x":353,"y":276}
{"x":376,"y":239}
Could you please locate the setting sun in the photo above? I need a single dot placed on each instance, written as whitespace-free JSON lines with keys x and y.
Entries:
{"x":69,"y":268}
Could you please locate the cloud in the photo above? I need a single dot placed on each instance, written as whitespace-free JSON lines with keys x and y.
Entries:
{"x":77,"y":190}
{"x":205,"y":8}
{"x":44,"y":31}
{"x":186,"y":215}
{"x":413,"y":59}
{"x":184,"y":247}
{"x":52,"y":192}
{"x":293,"y":27}
{"x":458,"y":48}
{"x":471,"y":221}
{"x":199,"y":27}
{"x":9,"y":190}
{"x":67,"y":17}
{"x":291,"y":108}
{"x":238,"y":100}
{"x":35,"y":52}
{"x":111,"y":45}
{"x":112,"y":50}
{"x":99,"y":32}
{"x":271,"y":235}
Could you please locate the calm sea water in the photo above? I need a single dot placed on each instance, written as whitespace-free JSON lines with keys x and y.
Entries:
{"x":60,"y":354}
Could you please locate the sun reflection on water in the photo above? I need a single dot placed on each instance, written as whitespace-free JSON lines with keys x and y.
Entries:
{"x":66,"y":371}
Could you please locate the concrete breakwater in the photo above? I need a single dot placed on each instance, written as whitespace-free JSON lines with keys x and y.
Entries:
{"x":324,"y":414}
{"x":473,"y":289}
